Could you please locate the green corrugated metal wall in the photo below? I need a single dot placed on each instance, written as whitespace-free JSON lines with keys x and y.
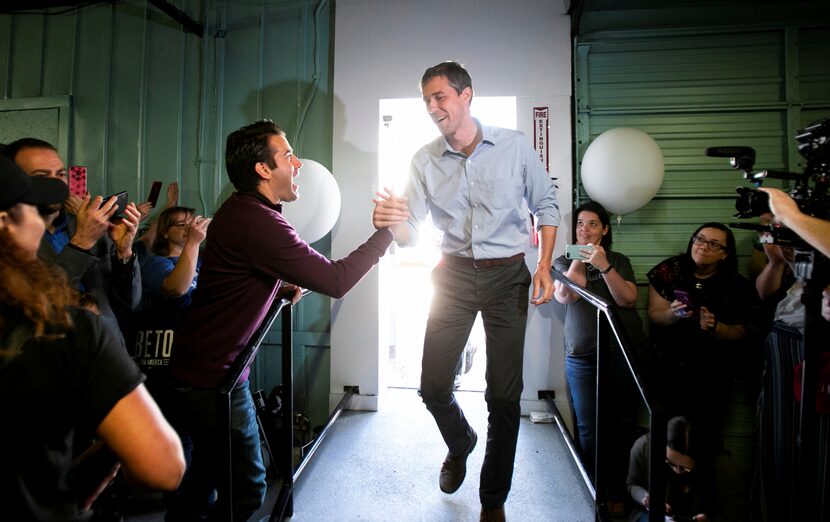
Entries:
{"x":693,"y":87}
{"x":692,"y":91}
{"x":152,"y":102}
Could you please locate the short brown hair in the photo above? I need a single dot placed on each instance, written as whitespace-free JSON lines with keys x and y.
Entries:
{"x":454,"y":72}
{"x":245,"y":148}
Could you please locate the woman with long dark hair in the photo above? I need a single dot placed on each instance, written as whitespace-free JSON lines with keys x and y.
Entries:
{"x":699,"y":306}
{"x":608,"y":274}
{"x":62,"y":371}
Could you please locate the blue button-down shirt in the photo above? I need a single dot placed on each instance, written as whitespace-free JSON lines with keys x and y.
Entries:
{"x":481,"y":203}
{"x":60,"y":237}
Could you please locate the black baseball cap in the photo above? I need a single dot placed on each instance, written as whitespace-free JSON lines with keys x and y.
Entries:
{"x":16,"y":187}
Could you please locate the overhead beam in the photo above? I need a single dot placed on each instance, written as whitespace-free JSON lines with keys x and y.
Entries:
{"x":188,"y":23}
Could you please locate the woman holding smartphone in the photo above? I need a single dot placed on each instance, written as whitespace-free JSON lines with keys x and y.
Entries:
{"x":63,"y":372}
{"x":609,"y":275}
{"x":699,"y":306}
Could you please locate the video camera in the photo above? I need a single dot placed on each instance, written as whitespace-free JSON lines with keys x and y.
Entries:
{"x":814,"y":145}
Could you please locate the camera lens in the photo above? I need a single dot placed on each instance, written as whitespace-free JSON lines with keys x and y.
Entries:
{"x":751,"y":202}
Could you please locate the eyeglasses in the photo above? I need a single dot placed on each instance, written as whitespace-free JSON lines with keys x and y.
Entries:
{"x":678,"y":468}
{"x":714,"y":246}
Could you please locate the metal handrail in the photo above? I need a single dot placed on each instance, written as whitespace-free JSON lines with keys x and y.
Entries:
{"x":223,"y":401}
{"x":607,"y":314}
{"x":223,"y":404}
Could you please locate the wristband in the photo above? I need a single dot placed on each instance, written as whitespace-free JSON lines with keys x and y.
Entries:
{"x":603,"y":272}
{"x":128,"y":260}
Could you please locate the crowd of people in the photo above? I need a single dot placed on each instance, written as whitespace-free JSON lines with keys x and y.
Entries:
{"x":706,"y":323}
{"x":83,"y":292}
{"x":109,"y":357}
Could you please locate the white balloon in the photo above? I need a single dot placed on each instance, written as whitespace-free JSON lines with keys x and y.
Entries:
{"x":622,"y":169}
{"x":316,"y":211}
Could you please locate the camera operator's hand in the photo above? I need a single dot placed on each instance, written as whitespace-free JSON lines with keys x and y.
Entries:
{"x":825,"y":304}
{"x":816,"y":232}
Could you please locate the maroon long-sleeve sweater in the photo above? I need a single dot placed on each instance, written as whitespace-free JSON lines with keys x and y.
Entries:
{"x":250,"y":249}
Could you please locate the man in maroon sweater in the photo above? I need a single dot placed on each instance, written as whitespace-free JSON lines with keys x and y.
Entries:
{"x":250,"y":250}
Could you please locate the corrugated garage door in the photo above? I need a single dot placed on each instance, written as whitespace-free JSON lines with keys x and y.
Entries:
{"x":690,"y":92}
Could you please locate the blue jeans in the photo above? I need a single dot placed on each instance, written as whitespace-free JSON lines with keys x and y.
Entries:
{"x":581,"y":373}
{"x":501,"y":294}
{"x":621,"y":394}
{"x":193,"y":416}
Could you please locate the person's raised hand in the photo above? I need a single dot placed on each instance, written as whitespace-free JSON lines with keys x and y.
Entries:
{"x":197,"y":229}
{"x":92,"y":221}
{"x":73,"y":204}
{"x":172,"y":194}
{"x":144,"y":209}
{"x":597,"y":257}
{"x":775,"y":254}
{"x":123,"y":232}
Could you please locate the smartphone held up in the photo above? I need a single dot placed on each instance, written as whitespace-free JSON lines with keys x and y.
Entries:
{"x":575,"y":251}
{"x":120,"y":204}
{"x":155,"y":190}
{"x":77,"y":180}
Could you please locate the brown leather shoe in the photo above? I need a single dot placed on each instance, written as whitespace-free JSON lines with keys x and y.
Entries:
{"x":492,"y":515}
{"x":454,"y":469}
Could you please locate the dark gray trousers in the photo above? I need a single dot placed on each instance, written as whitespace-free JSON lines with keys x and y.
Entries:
{"x":501,"y":295}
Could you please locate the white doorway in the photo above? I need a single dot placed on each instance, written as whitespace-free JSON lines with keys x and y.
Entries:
{"x":406,"y":286}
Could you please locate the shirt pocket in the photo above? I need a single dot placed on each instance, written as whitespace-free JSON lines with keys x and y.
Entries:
{"x":502,"y":193}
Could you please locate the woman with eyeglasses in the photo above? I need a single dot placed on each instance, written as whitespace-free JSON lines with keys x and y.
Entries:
{"x":608,"y":274}
{"x":699,"y":306}
{"x":169,"y":275}
{"x":700,"y":486}
{"x":172,"y":272}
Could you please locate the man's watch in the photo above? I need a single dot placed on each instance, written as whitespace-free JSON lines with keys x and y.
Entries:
{"x":128,"y":260}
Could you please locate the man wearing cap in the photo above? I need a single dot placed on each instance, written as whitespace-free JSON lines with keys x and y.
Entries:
{"x":16,"y":189}
{"x":96,"y":254}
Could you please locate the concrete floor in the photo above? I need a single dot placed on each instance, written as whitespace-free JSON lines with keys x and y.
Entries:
{"x":383,"y":466}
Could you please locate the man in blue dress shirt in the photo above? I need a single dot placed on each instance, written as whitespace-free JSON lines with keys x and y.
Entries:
{"x":478,"y":183}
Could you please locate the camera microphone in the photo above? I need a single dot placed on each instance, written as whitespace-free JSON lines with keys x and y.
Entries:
{"x":730,"y":152}
{"x":741,"y":158}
